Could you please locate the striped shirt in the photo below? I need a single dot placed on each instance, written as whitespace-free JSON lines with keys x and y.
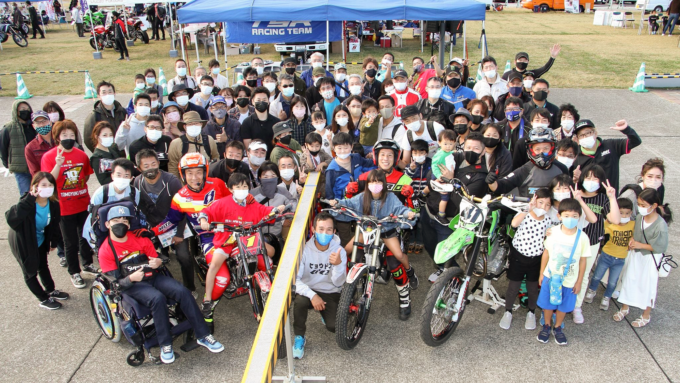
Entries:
{"x":599,"y":204}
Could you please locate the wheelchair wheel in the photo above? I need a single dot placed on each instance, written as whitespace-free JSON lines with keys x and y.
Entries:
{"x":135,"y":358}
{"x":101,"y":309}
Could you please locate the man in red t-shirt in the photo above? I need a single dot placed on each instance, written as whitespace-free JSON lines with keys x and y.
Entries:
{"x":148,"y":287}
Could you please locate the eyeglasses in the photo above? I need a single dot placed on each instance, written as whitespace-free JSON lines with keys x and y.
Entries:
{"x":182,"y":93}
{"x":287,"y":86}
{"x":586,"y":134}
{"x":513,"y":110}
{"x":155,"y":127}
{"x":216,"y":107}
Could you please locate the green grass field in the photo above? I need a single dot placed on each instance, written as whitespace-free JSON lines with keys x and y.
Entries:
{"x":591,"y":56}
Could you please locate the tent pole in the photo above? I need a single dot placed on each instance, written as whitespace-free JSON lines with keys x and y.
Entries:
{"x":452,"y":40}
{"x":442,"y":41}
{"x":181,"y":40}
{"x":198,"y":58}
{"x":344,"y":58}
{"x":464,"y":40}
{"x":422,"y":32}
{"x":172,"y":27}
{"x":224,"y":31}
{"x":328,"y":46}
{"x":642,"y":16}
{"x":215,"y":44}
{"x":484,"y":47}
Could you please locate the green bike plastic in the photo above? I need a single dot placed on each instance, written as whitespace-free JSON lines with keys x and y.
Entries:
{"x":460,"y":238}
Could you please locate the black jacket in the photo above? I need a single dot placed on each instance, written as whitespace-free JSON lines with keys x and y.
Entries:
{"x":537,"y":72}
{"x":439,"y":112}
{"x":499,"y":112}
{"x":22,"y":232}
{"x":219,"y":170}
{"x":554,"y":110}
{"x":374,"y":90}
{"x":160,"y":147}
{"x":199,"y":109}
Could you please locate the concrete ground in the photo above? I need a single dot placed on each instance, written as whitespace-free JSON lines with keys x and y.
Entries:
{"x":66,"y":345}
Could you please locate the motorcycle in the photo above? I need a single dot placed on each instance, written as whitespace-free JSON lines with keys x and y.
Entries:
{"x":96,"y":18}
{"x":103,"y":37}
{"x":483,"y":239}
{"x":357,"y":291}
{"x":137,"y":30}
{"x":19,"y":36}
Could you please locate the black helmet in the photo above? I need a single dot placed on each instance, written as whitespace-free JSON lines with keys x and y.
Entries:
{"x":386,"y":143}
{"x":536,"y":136}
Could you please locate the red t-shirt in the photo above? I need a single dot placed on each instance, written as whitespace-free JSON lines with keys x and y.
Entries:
{"x":72,"y":182}
{"x":130,"y":248}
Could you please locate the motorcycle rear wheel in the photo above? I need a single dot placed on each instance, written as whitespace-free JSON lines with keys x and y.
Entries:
{"x":436,"y":323}
{"x":144,"y":36}
{"x":350,"y":326}
{"x":20,"y":39}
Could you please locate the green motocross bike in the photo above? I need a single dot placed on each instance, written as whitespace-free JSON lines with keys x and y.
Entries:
{"x":482,"y":240}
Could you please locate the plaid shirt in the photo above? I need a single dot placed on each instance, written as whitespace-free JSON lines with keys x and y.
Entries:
{"x":235,"y":114}
{"x":301,"y":129}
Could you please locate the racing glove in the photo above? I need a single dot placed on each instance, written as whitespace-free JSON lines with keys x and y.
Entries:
{"x":352,"y":189}
{"x":250,"y":199}
{"x":407,"y":191}
{"x":491,"y":178}
{"x":143,"y":233}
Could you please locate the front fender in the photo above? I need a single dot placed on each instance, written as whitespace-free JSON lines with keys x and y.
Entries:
{"x":448,"y":248}
{"x":263,"y":281}
{"x":355,"y":272}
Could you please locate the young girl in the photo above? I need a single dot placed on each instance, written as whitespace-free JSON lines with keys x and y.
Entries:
{"x":525,"y":255}
{"x":342,"y":123}
{"x":172,"y":114}
{"x":601,"y":198}
{"x":380,"y":202}
{"x":105,"y":151}
{"x":650,"y":241}
{"x":498,"y":157}
{"x":319,"y":124}
{"x":562,"y":187}
{"x":300,"y":120}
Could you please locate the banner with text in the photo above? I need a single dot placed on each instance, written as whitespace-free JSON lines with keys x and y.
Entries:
{"x":271,"y":32}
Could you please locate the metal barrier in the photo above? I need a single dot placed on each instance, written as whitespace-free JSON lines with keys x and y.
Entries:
{"x":275,"y":322}
{"x":44,"y":72}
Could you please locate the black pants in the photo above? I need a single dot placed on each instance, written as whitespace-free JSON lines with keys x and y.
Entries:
{"x":304,"y":304}
{"x":36,"y":28}
{"x":522,"y":267}
{"x":72,"y":232}
{"x":41,"y":292}
{"x":122,"y":47}
{"x":186,"y":263}
{"x":344,"y":231}
{"x":157,"y":26}
{"x":79,"y":29}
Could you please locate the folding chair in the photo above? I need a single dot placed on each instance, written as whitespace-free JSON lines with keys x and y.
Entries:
{"x":629,"y":19}
{"x":618,"y":20}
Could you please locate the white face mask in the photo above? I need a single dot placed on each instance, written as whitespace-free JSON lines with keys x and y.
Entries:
{"x":108,"y":99}
{"x":139,"y":86}
{"x":343,"y":156}
{"x":206,"y":90}
{"x":414,"y":126}
{"x":355,"y":89}
{"x":400,"y":86}
{"x":490,"y":73}
{"x":54,"y":117}
{"x":652,"y":184}
{"x":327,"y":94}
{"x":419,"y":159}
{"x":240,"y":194}
{"x":319,"y":127}
{"x":342,"y":121}
{"x":153,"y":135}
{"x":46,"y":192}
{"x":215,"y":70}
{"x":644,"y":210}
{"x":316,"y":64}
{"x":539,"y":212}
{"x":259,"y":70}
{"x":591,"y":186}
{"x":182,"y":100}
{"x":106,"y":141}
{"x":121,"y":183}
{"x":270,"y":86}
{"x":587,"y":142}
{"x":560,"y":196}
{"x":181,"y":72}
{"x":143,"y":111}
{"x":567,"y":126}
{"x":150,"y":80}
{"x":340,"y":77}
{"x":154,"y":104}
{"x":287,"y":174}
{"x":193,"y":130}
{"x":389,"y":89}
{"x":257,"y":161}
{"x":434,"y":93}
{"x":625,"y":219}
{"x":540,"y":125}
{"x":566,"y":161}
{"x":528,"y":83}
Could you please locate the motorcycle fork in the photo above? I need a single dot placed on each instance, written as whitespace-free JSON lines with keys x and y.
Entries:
{"x":372,"y":269}
{"x":468,"y":273}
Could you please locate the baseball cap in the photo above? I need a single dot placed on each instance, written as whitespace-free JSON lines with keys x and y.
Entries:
{"x":514,"y":75}
{"x":117,"y":212}
{"x":528,"y":74}
{"x":581,"y":124}
{"x":339,"y":66}
{"x":408,"y":111}
{"x":318,"y":71}
{"x":218,"y":99}
{"x":522,"y":54}
{"x":39,"y":114}
{"x":452,"y":68}
{"x":400,"y":73}
{"x":457,"y":60}
{"x":289,"y":60}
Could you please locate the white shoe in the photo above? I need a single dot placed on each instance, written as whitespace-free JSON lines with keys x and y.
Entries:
{"x":506,"y":321}
{"x":530,"y":323}
{"x":578,"y":315}
{"x":433,"y":277}
{"x":590,"y":294}
{"x":604,"y":305}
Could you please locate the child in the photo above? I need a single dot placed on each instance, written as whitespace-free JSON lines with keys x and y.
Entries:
{"x":601,"y":199}
{"x":525,"y":256}
{"x":447,"y":143}
{"x":564,"y":243}
{"x":369,"y":124}
{"x":319,"y":123}
{"x":654,"y":22}
{"x":420,"y":165}
{"x":319,"y":280}
{"x":314,"y":158}
{"x":562,"y":187}
{"x":380,"y":203}
{"x":567,"y":149}
{"x":650,"y":241}
{"x":613,"y":254}
{"x":238,"y":209}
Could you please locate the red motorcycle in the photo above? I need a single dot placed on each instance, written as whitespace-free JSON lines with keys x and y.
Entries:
{"x":137,"y":30}
{"x":103,"y":37}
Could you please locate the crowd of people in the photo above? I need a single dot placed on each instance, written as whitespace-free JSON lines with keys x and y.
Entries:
{"x":383,"y":140}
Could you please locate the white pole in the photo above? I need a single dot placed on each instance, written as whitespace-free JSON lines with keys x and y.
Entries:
{"x":464,"y":40}
{"x":344,"y":59}
{"x":198,"y":58}
{"x":215,"y":44}
{"x":642,"y":16}
{"x":43,"y":24}
{"x":328,"y":45}
{"x":484,"y":53}
{"x":422,"y":32}
{"x":224,"y":31}
{"x":94,"y":36}
{"x":451,"y":51}
{"x":181,"y":40}
{"x":172,"y":28}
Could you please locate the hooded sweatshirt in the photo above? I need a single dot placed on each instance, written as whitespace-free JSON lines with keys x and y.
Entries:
{"x":125,"y":137}
{"x":317,"y":274}
{"x":115,"y":117}
{"x":14,"y":137}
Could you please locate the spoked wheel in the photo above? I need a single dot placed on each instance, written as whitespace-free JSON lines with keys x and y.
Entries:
{"x":100,"y":42}
{"x":436,"y":319}
{"x":261,"y":301}
{"x":106,"y":319}
{"x":20,"y":40}
{"x":352,"y":313}
{"x":135,"y":358}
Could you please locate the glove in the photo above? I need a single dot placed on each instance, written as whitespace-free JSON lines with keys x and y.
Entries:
{"x":491,"y":178}
{"x":407,"y":191}
{"x":143,"y":233}
{"x":250,"y":199}
{"x":351,"y":189}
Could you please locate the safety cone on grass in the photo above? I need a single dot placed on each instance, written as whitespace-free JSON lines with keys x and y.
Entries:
{"x":480,"y":74}
{"x":22,"y":91}
{"x":239,"y":79}
{"x":507,"y":67}
{"x":639,"y":86}
{"x":90,"y":93}
{"x":162,"y":81}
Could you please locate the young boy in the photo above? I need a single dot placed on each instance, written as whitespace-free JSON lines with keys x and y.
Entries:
{"x":613,"y":254}
{"x":558,"y":248}
{"x":369,"y":124}
{"x":420,"y":166}
{"x":314,"y":158}
{"x":447,"y":143}
{"x":567,"y":149}
{"x":319,"y":280}
{"x":654,"y":22}
{"x":238,"y":209}
{"x":319,"y":123}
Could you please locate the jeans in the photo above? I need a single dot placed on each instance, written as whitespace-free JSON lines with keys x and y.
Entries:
{"x":672,"y":19}
{"x":41,"y":291}
{"x":24,"y":182}
{"x":604,"y":263}
{"x":72,"y":232}
{"x":155,"y":293}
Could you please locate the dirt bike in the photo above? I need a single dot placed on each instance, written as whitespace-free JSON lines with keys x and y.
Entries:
{"x":89,"y":18}
{"x":7,"y":29}
{"x":357,"y":292}
{"x":482,"y":240}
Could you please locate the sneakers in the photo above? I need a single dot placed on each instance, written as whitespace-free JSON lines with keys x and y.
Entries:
{"x":604,"y":304}
{"x":590,"y":294}
{"x":167,"y":355}
{"x":442,"y":220}
{"x":299,"y":347}
{"x":433,"y":277}
{"x":506,"y":321}
{"x":211,"y":344}
{"x":206,"y":308}
{"x":578,"y":315}
{"x":560,"y":338}
{"x":62,"y":262}
{"x":90,"y":269}
{"x":60,"y":295}
{"x":530,"y":322}
{"x":50,"y":304}
{"x":412,"y":278}
{"x":544,"y":335}
{"x":77,"y":281}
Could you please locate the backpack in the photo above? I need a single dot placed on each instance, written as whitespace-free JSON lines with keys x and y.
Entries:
{"x":99,"y":229}
{"x":206,"y":145}
{"x":430,"y":130}
{"x":395,"y":129}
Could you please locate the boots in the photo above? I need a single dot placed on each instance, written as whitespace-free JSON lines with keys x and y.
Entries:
{"x":404,"y":301}
{"x":412,"y":278}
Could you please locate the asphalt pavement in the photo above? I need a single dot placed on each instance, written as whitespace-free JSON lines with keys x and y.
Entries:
{"x":66,"y":345}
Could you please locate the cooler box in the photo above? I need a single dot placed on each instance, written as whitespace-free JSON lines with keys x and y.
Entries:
{"x":385,"y":42}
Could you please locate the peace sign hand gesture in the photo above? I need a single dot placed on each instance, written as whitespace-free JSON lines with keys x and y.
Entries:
{"x":59,"y":159}
{"x":611,"y":192}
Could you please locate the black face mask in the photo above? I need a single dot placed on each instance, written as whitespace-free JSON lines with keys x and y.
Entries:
{"x":68,"y":143}
{"x":25,"y":115}
{"x":522,"y":65}
{"x":232,"y":163}
{"x":460,"y":128}
{"x":150,"y":173}
{"x":242,"y":101}
{"x":541,"y":95}
{"x":314,"y":153}
{"x":119,"y":230}
{"x":491,"y":142}
{"x":285,"y":140}
{"x":269,"y":187}
{"x":471,"y":157}
{"x":453,"y":83}
{"x":251,"y":83}
{"x":477,"y":119}
{"x":290,"y":71}
{"x":261,"y":106}
{"x":371,"y":73}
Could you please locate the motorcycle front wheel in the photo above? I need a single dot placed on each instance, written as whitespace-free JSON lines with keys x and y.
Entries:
{"x":261,"y":301}
{"x":99,"y":42}
{"x":20,"y":40}
{"x":352,"y":313}
{"x":144,"y":36}
{"x":436,"y":318}
{"x":86,"y":26}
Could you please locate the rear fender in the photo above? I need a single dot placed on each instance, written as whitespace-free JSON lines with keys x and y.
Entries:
{"x":453,"y":245}
{"x":355,"y":272}
{"x":263,"y":281}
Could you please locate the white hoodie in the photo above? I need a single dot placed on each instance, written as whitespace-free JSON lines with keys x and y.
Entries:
{"x":317,"y":274}
{"x":125,"y":137}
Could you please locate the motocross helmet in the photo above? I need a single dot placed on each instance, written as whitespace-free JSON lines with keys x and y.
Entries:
{"x":386,"y":143}
{"x":193,"y":161}
{"x":540,"y":135}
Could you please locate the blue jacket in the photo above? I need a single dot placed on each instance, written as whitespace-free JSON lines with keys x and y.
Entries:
{"x":342,"y":92}
{"x":338,"y":177}
{"x":307,"y":76}
{"x":460,"y":97}
{"x":392,"y":205}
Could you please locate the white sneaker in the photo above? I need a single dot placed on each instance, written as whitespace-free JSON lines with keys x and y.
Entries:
{"x":616,"y":294}
{"x":506,"y":321}
{"x":433,"y":277}
{"x":578,"y":315}
{"x":530,"y":323}
{"x":604,"y":305}
{"x":590,"y":294}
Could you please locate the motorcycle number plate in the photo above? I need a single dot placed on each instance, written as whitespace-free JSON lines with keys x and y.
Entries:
{"x":251,"y":244}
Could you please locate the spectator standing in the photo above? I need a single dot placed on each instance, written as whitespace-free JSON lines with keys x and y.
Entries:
{"x":14,"y":137}
{"x":106,"y":109}
{"x":77,"y":16}
{"x":35,"y":22}
{"x":120,"y":36}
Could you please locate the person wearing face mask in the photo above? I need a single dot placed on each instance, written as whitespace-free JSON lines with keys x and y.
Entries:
{"x":527,"y":82}
{"x":70,"y":167}
{"x":54,"y":111}
{"x":372,"y":86}
{"x":280,"y":105}
{"x":341,"y":83}
{"x":259,"y":125}
{"x":284,"y":143}
{"x":460,"y":121}
{"x":418,"y":129}
{"x":418,"y":171}
{"x":42,"y":142}
{"x":151,"y":83}
{"x":33,"y":232}
{"x":539,"y":99}
{"x":232,"y":163}
{"x":522,"y":62}
{"x":605,"y":153}
{"x":272,"y":193}
{"x":14,"y":137}
{"x":270,"y":81}
{"x":105,"y":152}
{"x":140,"y":87}
{"x":568,"y":115}
{"x":455,"y":91}
{"x":219,"y":80}
{"x":355,"y":88}
{"x":479,"y":109}
{"x":156,"y":106}
{"x":433,"y":107}
{"x":314,"y":158}
{"x":205,"y":96}
{"x":132,"y":128}
{"x":329,"y":101}
{"x":515,"y":89}
{"x":171,"y":115}
{"x":403,"y":95}
{"x":222,"y":128}
{"x":181,"y":95}
{"x":153,"y":139}
{"x":289,"y":65}
{"x":385,"y":72}
{"x":106,"y":109}
{"x":353,"y":103}
{"x":498,"y":157}
{"x":491,"y":84}
{"x":301,"y":120}
{"x":422,"y":75}
{"x":243,"y":108}
{"x":390,"y":126}
{"x":540,"y":119}
{"x":181,"y":78}
{"x":193,"y":141}
{"x":514,"y":128}
{"x":316,"y":60}
{"x":651,"y":177}
{"x":257,"y":152}
{"x":313,"y":93}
